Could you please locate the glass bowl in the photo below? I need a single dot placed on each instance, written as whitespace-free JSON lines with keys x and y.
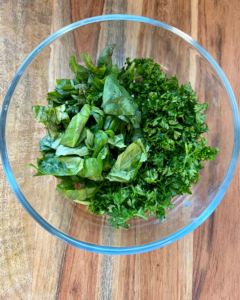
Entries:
{"x":135,"y":37}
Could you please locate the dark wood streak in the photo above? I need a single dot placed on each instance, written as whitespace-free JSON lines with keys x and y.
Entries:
{"x":210,"y":233}
{"x":175,"y":13}
{"x":190,"y":17}
{"x":79,"y":282}
{"x":205,"y":244}
{"x":199,"y":285}
{"x":220,"y":30}
{"x":86,"y":41}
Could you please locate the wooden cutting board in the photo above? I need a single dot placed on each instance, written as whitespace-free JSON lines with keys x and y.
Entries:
{"x":204,"y":265}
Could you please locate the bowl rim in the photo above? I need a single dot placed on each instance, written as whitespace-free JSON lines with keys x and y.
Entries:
{"x":133,"y":249}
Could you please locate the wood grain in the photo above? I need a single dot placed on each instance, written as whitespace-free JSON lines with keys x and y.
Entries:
{"x":23,"y":25}
{"x":36,"y":265}
{"x":216,"y":242}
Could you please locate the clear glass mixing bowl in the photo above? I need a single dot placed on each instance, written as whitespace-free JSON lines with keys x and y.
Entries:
{"x":178,"y":54}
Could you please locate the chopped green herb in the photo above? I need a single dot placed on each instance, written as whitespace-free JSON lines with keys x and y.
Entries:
{"x":123,"y":142}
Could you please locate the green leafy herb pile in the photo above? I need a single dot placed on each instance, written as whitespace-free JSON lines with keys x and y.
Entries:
{"x":123,"y":142}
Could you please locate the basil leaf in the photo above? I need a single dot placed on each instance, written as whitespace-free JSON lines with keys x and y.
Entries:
{"x":98,"y":83}
{"x":51,"y":166}
{"x":92,"y":169}
{"x":137,"y":134}
{"x":75,"y":127}
{"x":81,"y":150}
{"x":117,"y":141}
{"x":48,"y":142}
{"x":74,"y":164}
{"x":128,"y":163}
{"x":89,"y":139}
{"x":116,"y":100}
{"x":40,"y":113}
{"x":58,"y":115}
{"x":112,"y":123}
{"x":97,"y":110}
{"x":100,"y":140}
{"x":105,"y":57}
{"x":52,"y":130}
{"x":48,"y":114}
{"x":98,"y":115}
{"x":79,"y":70}
{"x":65,"y":85}
{"x":108,"y":161}
{"x":90,"y":66}
{"x":82,"y":137}
{"x":114,"y":70}
{"x":103,"y":153}
{"x":67,"y":189}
